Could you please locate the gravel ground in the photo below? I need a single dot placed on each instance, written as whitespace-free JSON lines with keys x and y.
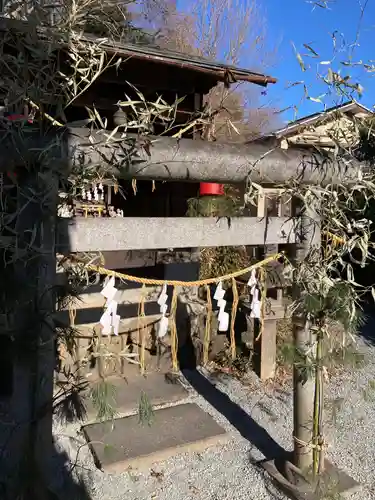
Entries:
{"x":228,"y":472}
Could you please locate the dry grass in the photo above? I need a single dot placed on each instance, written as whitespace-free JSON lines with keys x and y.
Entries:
{"x":218,"y":261}
{"x":337,"y":357}
{"x":238,"y":367}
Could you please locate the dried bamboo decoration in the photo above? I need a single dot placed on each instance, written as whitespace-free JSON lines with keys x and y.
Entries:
{"x":174,"y":338}
{"x":72,"y":315}
{"x":134,"y":186}
{"x":141,"y":330}
{"x":72,"y":320}
{"x":99,"y":354}
{"x":233,"y":319}
{"x":207,"y":332}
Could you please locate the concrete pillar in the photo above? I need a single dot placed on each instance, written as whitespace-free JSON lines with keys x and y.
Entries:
{"x":303,"y":394}
{"x":29,"y":312}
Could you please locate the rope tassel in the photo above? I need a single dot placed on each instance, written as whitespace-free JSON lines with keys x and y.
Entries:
{"x":233,"y":319}
{"x":141,"y":330}
{"x":174,"y":338}
{"x":72,"y":315}
{"x":263,"y":297}
{"x":207,"y":332}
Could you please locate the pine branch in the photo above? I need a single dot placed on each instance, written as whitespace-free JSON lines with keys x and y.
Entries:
{"x":145,"y":410}
{"x":103,"y":396}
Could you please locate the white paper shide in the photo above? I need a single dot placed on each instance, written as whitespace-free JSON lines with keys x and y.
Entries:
{"x":110,"y":320}
{"x":253,"y":284}
{"x":163,"y":323}
{"x":223,"y":316}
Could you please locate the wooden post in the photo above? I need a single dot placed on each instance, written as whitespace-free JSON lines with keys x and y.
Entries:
{"x":309,"y":237}
{"x":268,"y":350}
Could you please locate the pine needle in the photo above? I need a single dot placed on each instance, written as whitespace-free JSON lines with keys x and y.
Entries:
{"x":103,"y":396}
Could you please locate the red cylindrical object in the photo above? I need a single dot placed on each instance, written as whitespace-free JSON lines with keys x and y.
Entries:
{"x":14,"y":117}
{"x":211,"y":189}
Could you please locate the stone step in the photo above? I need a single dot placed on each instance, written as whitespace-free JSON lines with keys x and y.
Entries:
{"x":158,"y":388}
{"x":126,"y":442}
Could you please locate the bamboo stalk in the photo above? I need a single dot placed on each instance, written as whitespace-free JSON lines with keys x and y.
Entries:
{"x":318,"y":458}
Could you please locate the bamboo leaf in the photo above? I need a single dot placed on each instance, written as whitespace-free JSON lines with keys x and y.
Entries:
{"x":309,"y":48}
{"x":299,"y":58}
{"x":314,"y":99}
{"x":234,"y":127}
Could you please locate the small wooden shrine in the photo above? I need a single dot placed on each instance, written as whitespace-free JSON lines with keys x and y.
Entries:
{"x":150,"y":235}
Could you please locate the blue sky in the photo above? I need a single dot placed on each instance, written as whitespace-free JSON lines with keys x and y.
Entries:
{"x":296,"y":21}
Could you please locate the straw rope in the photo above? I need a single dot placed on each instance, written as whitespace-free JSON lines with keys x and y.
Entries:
{"x":149,"y":281}
{"x":317,"y":446}
{"x":263,"y":298}
{"x":172,"y":316}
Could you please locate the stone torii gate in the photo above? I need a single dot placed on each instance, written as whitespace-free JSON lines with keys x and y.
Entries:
{"x":170,"y":160}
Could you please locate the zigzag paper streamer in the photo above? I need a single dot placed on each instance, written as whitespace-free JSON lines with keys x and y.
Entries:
{"x":110,"y":320}
{"x":223,"y":316}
